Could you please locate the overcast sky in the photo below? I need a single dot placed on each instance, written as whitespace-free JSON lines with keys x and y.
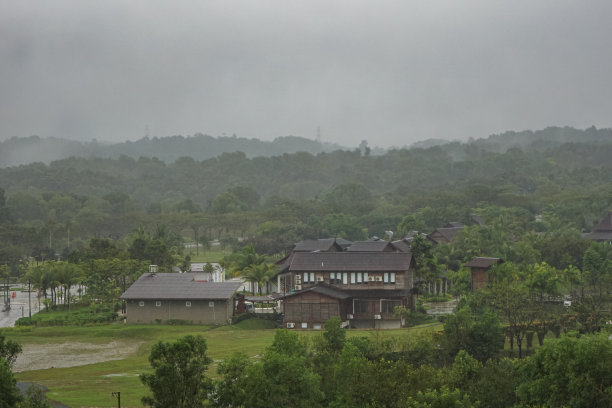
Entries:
{"x":391,"y":72}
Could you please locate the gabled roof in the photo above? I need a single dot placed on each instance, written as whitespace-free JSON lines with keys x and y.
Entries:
{"x":350,"y":261}
{"x":605,"y":224}
{"x":162,"y":286}
{"x":401,"y":245}
{"x":447,"y":233}
{"x":311,"y":245}
{"x":482,"y":262}
{"x":603,"y":230}
{"x":598,"y":235}
{"x":370,"y":246}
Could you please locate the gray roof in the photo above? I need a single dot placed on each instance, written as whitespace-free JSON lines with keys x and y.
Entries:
{"x":179,"y":286}
{"x":447,"y":233}
{"x":350,"y":261}
{"x":310,"y":245}
{"x":598,"y":235}
{"x":343,"y":294}
{"x":401,"y":245}
{"x":482,"y":262}
{"x":369,"y":246}
{"x":605,"y":224}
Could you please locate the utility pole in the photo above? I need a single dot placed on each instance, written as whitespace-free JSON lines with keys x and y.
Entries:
{"x":29,"y":303}
{"x":118,"y":395}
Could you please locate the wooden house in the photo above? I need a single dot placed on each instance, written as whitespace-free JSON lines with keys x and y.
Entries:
{"x":444,"y":235}
{"x":361,"y":287}
{"x":480,"y":267}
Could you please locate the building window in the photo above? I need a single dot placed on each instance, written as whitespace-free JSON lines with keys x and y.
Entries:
{"x":392,"y":277}
{"x":386,"y":277}
{"x":365,"y":277}
{"x":187,"y":304}
{"x":353,"y":281}
{"x":158,"y":303}
{"x":211,"y":304}
{"x":141,"y":303}
{"x":388,"y":306}
{"x":304,"y":325}
{"x":345,"y":278}
{"x":360,"y":306}
{"x":317,"y":326}
{"x":359,"y":276}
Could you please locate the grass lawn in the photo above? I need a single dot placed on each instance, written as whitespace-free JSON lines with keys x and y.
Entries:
{"x":91,"y":385}
{"x":214,"y":254}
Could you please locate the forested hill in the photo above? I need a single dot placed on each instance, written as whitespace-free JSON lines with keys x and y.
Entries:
{"x":16,"y":151}
{"x":289,"y":197}
{"x":545,"y":138}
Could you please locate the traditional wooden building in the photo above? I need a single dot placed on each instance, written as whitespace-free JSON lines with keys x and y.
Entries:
{"x":160,"y":297}
{"x":480,"y":267}
{"x":362,"y":288}
{"x":603,"y":231}
{"x":444,"y":235}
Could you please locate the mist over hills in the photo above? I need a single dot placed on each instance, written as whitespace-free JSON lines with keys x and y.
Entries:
{"x":18,"y":151}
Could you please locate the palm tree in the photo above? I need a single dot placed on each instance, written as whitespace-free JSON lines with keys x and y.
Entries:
{"x":260,"y":273}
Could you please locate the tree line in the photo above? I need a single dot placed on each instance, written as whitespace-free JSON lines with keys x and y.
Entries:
{"x":331,"y":370}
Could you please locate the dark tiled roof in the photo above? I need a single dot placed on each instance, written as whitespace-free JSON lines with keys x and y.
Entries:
{"x":312,"y":245}
{"x":599,"y":235}
{"x":401,"y":245}
{"x":179,"y":286}
{"x":343,"y":294}
{"x":350,"y":261}
{"x":369,"y":246}
{"x":448,"y":233}
{"x":605,"y":224}
{"x":455,"y":224}
{"x":482,"y":262}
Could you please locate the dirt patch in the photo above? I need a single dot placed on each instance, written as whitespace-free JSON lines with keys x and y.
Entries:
{"x":43,"y":356}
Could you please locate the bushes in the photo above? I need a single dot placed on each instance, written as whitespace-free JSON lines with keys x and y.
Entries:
{"x":76,"y":317}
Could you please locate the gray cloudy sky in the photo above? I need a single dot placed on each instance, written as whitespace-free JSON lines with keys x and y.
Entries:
{"x":391,"y":72}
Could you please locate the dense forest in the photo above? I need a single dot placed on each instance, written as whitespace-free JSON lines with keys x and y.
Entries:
{"x":276,"y":201}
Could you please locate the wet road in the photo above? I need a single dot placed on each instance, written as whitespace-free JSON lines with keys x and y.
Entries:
{"x":19,"y":307}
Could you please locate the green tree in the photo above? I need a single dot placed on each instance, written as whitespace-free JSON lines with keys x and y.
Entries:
{"x":35,"y":398}
{"x":479,"y":334}
{"x":230,"y":390}
{"x":9,"y":350}
{"x":261,"y":274}
{"x":9,"y":394}
{"x":571,"y":372}
{"x":179,"y":379}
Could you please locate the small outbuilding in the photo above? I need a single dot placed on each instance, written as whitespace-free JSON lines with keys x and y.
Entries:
{"x":162,"y":297}
{"x":480,"y":267}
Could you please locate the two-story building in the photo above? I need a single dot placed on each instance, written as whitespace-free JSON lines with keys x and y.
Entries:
{"x":362,"y":284}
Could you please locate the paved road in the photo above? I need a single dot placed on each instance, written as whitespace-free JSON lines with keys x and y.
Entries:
{"x":19,"y":308}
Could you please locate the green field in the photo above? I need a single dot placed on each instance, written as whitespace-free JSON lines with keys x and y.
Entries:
{"x":91,"y":385}
{"x":213,"y":254}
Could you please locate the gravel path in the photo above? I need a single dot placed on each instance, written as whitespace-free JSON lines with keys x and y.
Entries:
{"x":43,"y":356}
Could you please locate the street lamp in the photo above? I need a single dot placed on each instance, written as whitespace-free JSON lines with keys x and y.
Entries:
{"x":118,"y":395}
